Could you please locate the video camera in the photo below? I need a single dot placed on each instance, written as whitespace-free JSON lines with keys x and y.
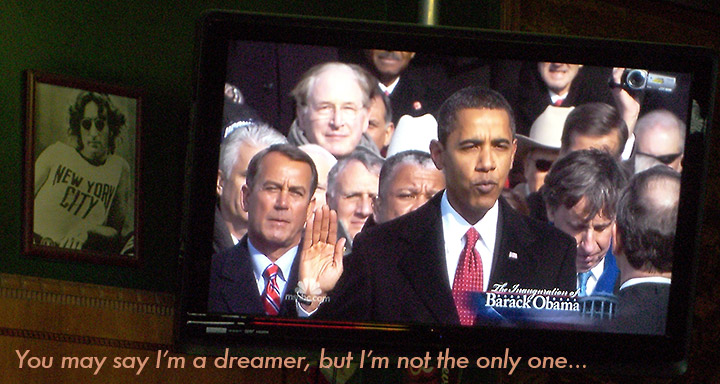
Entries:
{"x":639,"y":80}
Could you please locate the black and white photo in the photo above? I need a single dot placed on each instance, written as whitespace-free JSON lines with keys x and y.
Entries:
{"x":81,"y":170}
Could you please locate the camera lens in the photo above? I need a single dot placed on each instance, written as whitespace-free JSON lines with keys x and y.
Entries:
{"x":636,"y":79}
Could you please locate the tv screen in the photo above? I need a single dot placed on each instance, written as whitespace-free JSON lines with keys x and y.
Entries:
{"x":397,"y":289}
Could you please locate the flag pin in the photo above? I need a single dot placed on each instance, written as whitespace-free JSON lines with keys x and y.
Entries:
{"x":513,"y":255}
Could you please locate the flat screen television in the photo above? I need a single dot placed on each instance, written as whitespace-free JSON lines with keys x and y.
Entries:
{"x":263,"y":56}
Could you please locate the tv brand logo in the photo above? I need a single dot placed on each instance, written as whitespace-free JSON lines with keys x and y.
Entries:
{"x":308,"y":289}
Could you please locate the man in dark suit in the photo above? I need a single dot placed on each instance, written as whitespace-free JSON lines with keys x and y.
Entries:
{"x":580,"y":193}
{"x":259,"y":273}
{"x":644,"y":238}
{"x":412,"y":91}
{"x":427,"y":266}
{"x":237,"y":148}
{"x":535,"y":86}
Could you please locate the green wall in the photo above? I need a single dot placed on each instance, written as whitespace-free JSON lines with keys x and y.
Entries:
{"x":146,"y":45}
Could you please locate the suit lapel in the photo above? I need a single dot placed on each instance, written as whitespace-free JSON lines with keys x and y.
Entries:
{"x":240,"y":291}
{"x":287,"y":307}
{"x":510,"y":259}
{"x":424,"y":266}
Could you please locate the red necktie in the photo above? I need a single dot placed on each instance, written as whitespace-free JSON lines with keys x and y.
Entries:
{"x":468,"y":278}
{"x":271,"y":297}
{"x":558,"y":102}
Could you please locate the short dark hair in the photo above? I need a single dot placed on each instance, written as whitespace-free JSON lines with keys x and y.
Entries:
{"x":369,"y":159}
{"x":114,"y":118}
{"x":470,"y":98}
{"x":594,"y":119}
{"x":645,"y":226}
{"x":591,"y":174}
{"x":291,"y":152}
{"x":387,"y":173}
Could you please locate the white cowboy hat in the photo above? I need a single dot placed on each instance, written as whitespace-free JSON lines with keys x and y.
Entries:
{"x":547,"y":129}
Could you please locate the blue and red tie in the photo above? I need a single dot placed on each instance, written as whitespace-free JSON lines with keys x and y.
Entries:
{"x":271,"y":297}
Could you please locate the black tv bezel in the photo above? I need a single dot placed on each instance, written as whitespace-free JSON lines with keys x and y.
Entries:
{"x":639,"y":354}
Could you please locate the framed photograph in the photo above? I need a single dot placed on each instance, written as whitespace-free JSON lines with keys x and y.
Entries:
{"x":82,"y":160}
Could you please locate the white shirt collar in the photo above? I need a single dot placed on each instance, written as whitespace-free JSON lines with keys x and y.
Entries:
{"x":598,"y":269}
{"x":649,"y":279}
{"x":629,"y":144}
{"x":554,"y":97}
{"x":261,"y":262}
{"x":389,"y":88}
{"x":454,"y":228}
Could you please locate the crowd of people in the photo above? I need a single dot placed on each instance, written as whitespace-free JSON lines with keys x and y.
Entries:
{"x":559,"y":180}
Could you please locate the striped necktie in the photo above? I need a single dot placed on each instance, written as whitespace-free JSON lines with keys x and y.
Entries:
{"x":271,"y":297}
{"x":468,"y":278}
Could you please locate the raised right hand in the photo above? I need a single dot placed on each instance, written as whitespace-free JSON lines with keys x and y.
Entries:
{"x":321,"y":258}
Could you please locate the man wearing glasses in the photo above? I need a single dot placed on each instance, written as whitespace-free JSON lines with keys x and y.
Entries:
{"x":332,"y":102}
{"x":83,"y":192}
{"x":539,"y":150}
{"x":659,"y":139}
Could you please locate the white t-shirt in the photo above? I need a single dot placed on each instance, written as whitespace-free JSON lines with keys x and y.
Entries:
{"x":74,"y":191}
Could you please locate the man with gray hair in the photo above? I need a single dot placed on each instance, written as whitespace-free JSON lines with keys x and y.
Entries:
{"x":352,"y":187}
{"x":580,"y":193}
{"x":257,"y":275}
{"x":659,"y":139}
{"x":407,"y":180}
{"x":332,"y":101}
{"x":644,"y":243}
{"x":236,"y":151}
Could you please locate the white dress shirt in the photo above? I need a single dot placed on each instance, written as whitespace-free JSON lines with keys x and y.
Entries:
{"x":388,"y":89}
{"x":454,"y":229}
{"x":629,"y":144}
{"x":261,"y":262}
{"x":596,"y":272}
{"x":554,"y":97}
